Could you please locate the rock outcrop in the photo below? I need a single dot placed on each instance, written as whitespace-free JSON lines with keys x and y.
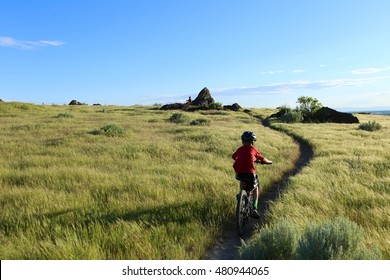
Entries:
{"x":323,"y":115}
{"x":326,"y":114}
{"x":203,"y":99}
{"x":233,"y":107}
{"x":173,"y":106}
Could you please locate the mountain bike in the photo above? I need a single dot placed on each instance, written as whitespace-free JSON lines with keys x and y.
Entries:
{"x":244,"y":209}
{"x":244,"y":206}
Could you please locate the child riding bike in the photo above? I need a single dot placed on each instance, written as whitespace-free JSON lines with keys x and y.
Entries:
{"x":244,"y":166}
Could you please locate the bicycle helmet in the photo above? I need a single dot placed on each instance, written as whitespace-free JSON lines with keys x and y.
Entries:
{"x":248,"y":136}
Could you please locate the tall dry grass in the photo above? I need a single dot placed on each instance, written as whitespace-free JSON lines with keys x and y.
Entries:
{"x":83,"y":182}
{"x":348,"y":177}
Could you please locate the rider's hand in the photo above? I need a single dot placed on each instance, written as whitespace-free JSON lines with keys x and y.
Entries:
{"x":266,"y":161}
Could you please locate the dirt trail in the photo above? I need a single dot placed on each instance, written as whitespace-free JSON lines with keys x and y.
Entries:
{"x":227,"y":247}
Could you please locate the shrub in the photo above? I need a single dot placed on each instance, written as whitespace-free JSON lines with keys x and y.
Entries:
{"x":336,"y":239}
{"x":307,"y":106}
{"x":292,"y":116}
{"x":284,"y":109}
{"x":370,"y":126}
{"x":215,"y":106}
{"x":200,"y":122}
{"x":277,"y":243}
{"x":178,"y":118}
{"x":110,"y":130}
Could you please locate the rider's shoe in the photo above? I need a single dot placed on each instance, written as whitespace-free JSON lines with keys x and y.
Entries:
{"x":255,"y":214}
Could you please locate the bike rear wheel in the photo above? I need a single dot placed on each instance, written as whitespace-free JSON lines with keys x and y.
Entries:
{"x":242,"y":212}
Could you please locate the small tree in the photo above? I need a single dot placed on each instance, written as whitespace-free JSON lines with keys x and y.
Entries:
{"x":308,"y":106}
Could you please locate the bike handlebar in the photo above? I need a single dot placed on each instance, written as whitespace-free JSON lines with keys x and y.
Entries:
{"x":262,"y":162}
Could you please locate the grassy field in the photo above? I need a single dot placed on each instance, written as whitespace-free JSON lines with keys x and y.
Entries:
{"x":349,"y":176}
{"x":141,"y":188}
{"x":144,"y":187}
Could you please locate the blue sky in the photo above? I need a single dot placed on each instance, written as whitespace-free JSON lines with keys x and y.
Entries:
{"x":257,"y":53}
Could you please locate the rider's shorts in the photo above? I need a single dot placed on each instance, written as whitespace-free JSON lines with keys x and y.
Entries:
{"x":251,"y":180}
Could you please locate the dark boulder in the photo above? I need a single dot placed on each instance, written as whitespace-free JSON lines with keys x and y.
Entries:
{"x":233,"y":107}
{"x":173,"y":106}
{"x":203,"y":99}
{"x":326,"y":114}
{"x":75,"y":102}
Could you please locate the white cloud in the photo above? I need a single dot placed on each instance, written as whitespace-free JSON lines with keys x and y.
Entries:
{"x":369,"y":70}
{"x":21,"y":44}
{"x":299,"y":71}
{"x":7,"y":42}
{"x":51,"y":43}
{"x":271,"y":72}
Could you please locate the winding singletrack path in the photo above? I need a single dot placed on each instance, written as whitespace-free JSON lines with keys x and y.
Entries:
{"x":227,"y":247}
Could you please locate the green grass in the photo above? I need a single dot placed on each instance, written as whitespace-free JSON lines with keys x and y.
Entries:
{"x":349,"y":177}
{"x":156,"y":190}
{"x":164,"y":190}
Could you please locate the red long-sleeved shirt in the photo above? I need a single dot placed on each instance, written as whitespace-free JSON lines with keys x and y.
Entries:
{"x":245,"y":157}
